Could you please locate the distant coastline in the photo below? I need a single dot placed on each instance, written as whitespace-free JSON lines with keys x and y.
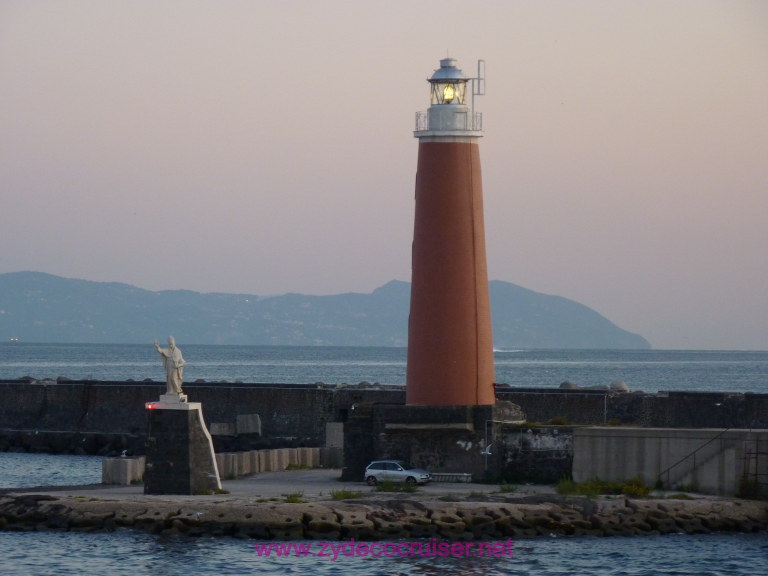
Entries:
{"x":39,"y":307}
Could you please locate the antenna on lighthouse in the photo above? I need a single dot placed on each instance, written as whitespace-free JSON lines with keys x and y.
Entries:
{"x":478,"y":89}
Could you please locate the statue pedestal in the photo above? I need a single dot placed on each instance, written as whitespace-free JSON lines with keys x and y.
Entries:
{"x":180,"y":457}
{"x":171,"y":399}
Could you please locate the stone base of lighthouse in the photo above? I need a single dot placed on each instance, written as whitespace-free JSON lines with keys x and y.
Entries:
{"x":449,"y":440}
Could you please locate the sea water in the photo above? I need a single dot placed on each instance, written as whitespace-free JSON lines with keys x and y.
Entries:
{"x":128,"y":552}
{"x":642,"y":370}
{"x":32,"y":470}
{"x":133,"y":553}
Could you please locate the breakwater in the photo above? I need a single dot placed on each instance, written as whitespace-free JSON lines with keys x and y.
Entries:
{"x":385,"y":518}
{"x":97,"y":417}
{"x":105,"y":418}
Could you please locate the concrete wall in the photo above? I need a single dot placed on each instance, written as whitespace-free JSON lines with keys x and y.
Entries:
{"x":231,"y":464}
{"x":540,"y":454}
{"x":446,"y":439}
{"x":107,"y":417}
{"x":123,"y":471}
{"x":573,"y":406}
{"x":662,"y":410}
{"x":711,"y":461}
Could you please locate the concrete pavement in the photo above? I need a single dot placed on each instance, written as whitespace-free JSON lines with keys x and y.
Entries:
{"x":313,"y":484}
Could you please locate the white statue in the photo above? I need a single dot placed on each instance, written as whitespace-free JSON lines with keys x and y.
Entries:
{"x":174,"y":366}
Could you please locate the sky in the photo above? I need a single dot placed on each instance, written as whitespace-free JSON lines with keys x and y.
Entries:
{"x":265,"y":147}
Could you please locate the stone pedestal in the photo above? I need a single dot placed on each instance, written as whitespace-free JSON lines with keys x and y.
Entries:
{"x":171,"y":399}
{"x":180,"y":456}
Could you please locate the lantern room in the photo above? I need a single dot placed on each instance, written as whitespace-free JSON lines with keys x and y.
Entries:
{"x":448,"y":83}
{"x":450,"y":113}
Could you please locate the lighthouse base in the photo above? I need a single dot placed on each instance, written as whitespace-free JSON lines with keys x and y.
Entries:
{"x":442,"y":439}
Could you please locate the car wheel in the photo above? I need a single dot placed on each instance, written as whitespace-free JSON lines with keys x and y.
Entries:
{"x":410,"y":480}
{"x":371,"y":480}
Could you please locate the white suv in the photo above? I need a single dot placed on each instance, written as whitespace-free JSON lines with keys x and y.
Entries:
{"x":394,"y":471}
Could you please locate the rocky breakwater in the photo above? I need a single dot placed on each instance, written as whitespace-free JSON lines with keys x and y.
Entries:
{"x":385,"y":519}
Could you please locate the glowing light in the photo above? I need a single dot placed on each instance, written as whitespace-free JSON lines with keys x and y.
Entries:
{"x":449,"y":93}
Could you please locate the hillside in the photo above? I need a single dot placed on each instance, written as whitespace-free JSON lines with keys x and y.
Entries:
{"x":38,"y":307}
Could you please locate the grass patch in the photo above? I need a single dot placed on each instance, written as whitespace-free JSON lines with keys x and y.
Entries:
{"x":680,"y":496}
{"x":345,"y":494}
{"x":507,"y":488}
{"x":297,"y":467}
{"x":633,"y":487}
{"x":389,"y":486}
{"x":294,"y":497}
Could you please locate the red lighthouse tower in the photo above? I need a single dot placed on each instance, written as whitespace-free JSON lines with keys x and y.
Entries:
{"x":450,"y":342}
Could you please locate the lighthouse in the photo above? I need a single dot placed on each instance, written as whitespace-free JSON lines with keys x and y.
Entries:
{"x":450,"y":341}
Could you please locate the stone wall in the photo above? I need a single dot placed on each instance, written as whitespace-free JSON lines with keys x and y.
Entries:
{"x":572,"y":406}
{"x":359,"y":447}
{"x":705,"y":410}
{"x":664,"y":409}
{"x":108,"y":417}
{"x":375,"y":525}
{"x":443,"y":439}
{"x":538,"y":454}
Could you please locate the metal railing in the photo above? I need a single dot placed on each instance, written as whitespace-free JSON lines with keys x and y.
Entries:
{"x":475,"y":121}
{"x":422,"y":121}
{"x":691,"y":455}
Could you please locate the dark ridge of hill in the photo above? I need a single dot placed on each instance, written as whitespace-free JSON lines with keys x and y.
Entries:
{"x":38,"y":307}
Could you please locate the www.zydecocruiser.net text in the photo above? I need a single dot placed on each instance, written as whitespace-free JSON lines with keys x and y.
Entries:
{"x":421,"y":549}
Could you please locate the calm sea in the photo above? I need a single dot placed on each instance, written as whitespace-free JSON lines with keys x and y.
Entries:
{"x":132,"y":553}
{"x":126,"y":553}
{"x":646,"y":370}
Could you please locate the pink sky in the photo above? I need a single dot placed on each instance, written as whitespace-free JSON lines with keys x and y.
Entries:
{"x":266,"y":147}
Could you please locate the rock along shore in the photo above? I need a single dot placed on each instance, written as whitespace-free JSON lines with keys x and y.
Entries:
{"x":385,"y":517}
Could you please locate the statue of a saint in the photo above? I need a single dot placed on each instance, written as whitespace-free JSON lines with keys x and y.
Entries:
{"x":174,"y":366}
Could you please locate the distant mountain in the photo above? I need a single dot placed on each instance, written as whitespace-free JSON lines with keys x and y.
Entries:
{"x":37,"y":307}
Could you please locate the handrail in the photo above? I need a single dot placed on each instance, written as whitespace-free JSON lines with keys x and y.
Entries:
{"x":474,"y":122}
{"x":684,"y":458}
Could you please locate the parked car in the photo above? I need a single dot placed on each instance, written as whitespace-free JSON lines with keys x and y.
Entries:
{"x":394,"y":471}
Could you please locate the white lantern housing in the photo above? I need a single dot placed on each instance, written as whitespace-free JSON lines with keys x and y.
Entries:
{"x":449,"y":114}
{"x":448,"y":83}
